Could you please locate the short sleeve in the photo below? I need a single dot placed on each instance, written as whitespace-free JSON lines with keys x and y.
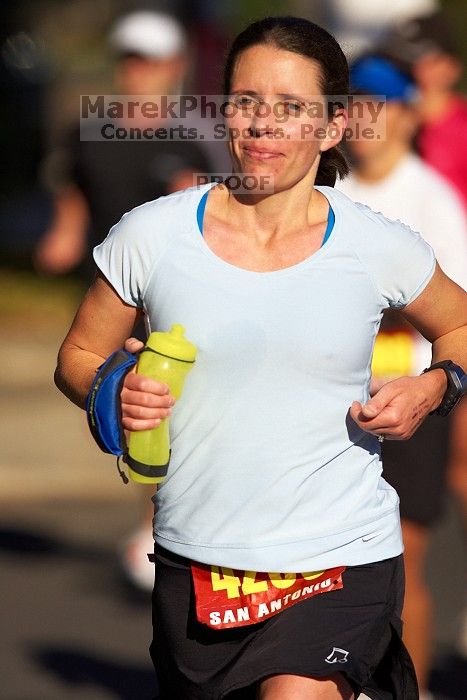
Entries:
{"x":401,"y":261}
{"x":445,"y":229}
{"x":128,"y":253}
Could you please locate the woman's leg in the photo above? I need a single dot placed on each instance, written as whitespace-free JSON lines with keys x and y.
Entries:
{"x":417,"y":612}
{"x":457,"y":470}
{"x":284,"y":686}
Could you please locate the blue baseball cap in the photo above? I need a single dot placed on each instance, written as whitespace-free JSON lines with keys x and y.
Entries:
{"x":376,"y":75}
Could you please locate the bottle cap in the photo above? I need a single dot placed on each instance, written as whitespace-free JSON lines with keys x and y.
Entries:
{"x":173,"y":344}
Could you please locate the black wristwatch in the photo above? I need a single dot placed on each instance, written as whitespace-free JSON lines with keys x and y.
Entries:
{"x":457,"y":385}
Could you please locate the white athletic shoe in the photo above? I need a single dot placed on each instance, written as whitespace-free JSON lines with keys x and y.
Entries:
{"x":136,"y":565}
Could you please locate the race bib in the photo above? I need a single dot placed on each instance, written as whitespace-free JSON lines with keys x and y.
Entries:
{"x":394,"y":354}
{"x":234,"y":598}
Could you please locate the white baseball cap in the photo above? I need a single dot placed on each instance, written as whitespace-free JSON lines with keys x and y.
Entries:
{"x":149,"y":34}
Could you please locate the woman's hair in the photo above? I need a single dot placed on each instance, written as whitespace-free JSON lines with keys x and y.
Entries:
{"x":311,"y":41}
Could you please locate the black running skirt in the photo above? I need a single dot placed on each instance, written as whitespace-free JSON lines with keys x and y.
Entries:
{"x":355,"y":631}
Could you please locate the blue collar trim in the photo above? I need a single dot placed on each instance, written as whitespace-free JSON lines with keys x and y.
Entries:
{"x":204,"y":199}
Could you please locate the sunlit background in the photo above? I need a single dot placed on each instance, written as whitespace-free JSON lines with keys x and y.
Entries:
{"x":72,"y":625}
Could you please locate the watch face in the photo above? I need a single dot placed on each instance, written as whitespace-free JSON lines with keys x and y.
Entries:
{"x":461,"y":378}
{"x":457,"y":385}
{"x":455,"y":375}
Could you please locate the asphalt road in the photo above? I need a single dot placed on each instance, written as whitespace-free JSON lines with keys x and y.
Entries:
{"x":71,"y":627}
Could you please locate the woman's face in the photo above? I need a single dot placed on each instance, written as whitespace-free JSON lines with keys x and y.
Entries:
{"x":278,"y":119}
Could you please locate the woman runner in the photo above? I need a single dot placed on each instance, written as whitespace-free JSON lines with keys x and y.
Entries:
{"x":278,"y":548}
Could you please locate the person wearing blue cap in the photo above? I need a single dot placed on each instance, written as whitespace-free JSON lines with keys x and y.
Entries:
{"x":426,"y":47}
{"x":375,"y":75}
{"x":390,"y":178}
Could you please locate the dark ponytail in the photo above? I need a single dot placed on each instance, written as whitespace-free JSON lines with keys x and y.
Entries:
{"x":311,"y":41}
{"x":333,"y":163}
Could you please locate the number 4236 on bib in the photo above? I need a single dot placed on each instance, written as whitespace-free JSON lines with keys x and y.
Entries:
{"x":234,"y":598}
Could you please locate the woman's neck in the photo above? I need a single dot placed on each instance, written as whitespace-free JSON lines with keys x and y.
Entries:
{"x":276,"y":215}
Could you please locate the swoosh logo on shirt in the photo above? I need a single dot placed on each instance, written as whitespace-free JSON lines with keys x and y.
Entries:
{"x":367,"y":539}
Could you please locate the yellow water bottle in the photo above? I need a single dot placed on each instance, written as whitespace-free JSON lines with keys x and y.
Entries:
{"x":166,"y":357}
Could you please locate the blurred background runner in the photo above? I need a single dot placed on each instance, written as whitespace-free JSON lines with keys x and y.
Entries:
{"x":105,"y":179}
{"x":389,"y":177}
{"x":426,"y":48}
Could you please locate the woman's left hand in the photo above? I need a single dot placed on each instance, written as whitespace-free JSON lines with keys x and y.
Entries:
{"x":400,"y":406}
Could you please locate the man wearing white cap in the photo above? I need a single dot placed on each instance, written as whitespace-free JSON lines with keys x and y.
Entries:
{"x":150,"y":34}
{"x":107,"y":178}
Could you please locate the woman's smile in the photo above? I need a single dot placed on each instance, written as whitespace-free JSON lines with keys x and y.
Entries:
{"x":257,"y":153}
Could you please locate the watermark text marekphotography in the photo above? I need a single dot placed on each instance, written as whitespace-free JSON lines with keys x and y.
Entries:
{"x":219,"y":118}
{"x":244,"y":183}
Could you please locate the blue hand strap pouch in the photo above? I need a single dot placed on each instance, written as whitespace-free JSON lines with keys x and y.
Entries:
{"x":103,"y":406}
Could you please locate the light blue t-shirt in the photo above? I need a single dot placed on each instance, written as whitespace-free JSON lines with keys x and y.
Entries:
{"x":268,"y":471}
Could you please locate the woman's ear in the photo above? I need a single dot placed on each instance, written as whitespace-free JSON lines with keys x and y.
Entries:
{"x":335,"y":130}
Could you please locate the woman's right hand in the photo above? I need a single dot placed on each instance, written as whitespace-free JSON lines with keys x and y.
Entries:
{"x":145,"y":402}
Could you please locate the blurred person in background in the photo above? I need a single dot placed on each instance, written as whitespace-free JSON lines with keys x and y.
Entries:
{"x":388,"y":177}
{"x":426,"y":47}
{"x":360,"y":24}
{"x":108,"y":178}
{"x":25,"y":74}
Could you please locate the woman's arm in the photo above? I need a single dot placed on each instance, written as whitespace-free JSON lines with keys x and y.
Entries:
{"x":439,"y":313}
{"x":101,"y":326}
{"x":63,"y":246}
